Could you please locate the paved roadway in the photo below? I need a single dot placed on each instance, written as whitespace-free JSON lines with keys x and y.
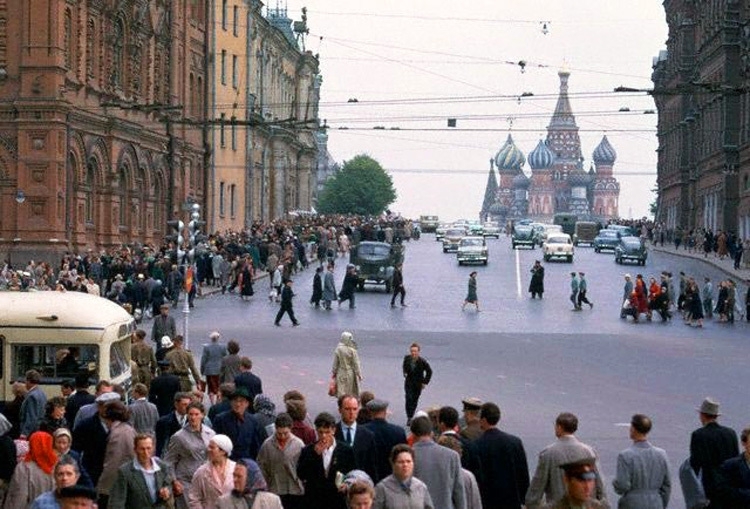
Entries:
{"x":534,"y":358}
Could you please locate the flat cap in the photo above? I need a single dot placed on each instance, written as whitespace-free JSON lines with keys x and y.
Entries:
{"x":377,"y":405}
{"x":77,"y":491}
{"x":107,"y":397}
{"x":472,"y":403}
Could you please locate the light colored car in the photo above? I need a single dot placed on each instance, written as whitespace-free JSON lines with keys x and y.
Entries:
{"x":472,"y":250}
{"x":558,"y":245}
{"x":491,"y":229}
{"x":451,"y":239}
{"x":440,"y":231}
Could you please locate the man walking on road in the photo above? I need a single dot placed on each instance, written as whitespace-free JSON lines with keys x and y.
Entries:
{"x":582,"y":287}
{"x":286,"y":305}
{"x":548,"y":483}
{"x":574,"y":291}
{"x":417,"y":374}
{"x":642,"y":470}
{"x":398,"y":285}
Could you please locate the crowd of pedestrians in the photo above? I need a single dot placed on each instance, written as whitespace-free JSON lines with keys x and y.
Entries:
{"x":212,"y":438}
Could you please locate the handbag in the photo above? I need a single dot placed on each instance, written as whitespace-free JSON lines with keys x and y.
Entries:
{"x":332,"y":388}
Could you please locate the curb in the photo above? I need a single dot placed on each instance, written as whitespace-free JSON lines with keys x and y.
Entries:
{"x":736,"y":274}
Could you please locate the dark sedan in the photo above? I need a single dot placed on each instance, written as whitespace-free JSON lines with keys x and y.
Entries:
{"x":631,"y":249}
{"x":606,"y":239}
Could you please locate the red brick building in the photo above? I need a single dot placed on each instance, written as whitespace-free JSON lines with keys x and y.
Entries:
{"x":90,"y":96}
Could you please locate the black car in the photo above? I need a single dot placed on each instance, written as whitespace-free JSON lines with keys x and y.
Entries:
{"x":631,"y":249}
{"x":606,"y":239}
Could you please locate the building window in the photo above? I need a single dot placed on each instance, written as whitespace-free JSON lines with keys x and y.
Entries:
{"x":221,"y":199}
{"x":236,"y":21}
{"x":234,"y":133}
{"x":224,"y":15}
{"x":223,"y":67}
{"x":222,"y":141}
{"x":232,"y":200}
{"x":235,"y":74}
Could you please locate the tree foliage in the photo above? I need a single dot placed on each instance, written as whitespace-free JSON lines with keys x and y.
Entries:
{"x":362,"y":187}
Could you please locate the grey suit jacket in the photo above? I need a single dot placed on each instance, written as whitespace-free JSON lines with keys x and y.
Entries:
{"x":130,"y":490}
{"x":143,"y":416}
{"x":440,"y":469}
{"x":548,"y":478}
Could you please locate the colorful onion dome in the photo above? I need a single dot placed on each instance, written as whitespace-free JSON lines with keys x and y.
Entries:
{"x":509,"y":157}
{"x":604,"y":153}
{"x":541,"y":157}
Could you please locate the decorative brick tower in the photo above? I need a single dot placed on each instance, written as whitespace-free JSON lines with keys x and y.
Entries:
{"x":606,"y":189}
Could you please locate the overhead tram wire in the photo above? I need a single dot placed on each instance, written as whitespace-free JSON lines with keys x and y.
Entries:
{"x":448,"y":172}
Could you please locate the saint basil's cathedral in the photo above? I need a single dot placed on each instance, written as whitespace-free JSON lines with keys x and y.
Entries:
{"x":558,"y":182}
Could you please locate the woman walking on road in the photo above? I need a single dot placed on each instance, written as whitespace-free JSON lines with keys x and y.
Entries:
{"x":346,"y":368}
{"x":536,"y":286}
{"x":471,"y":295}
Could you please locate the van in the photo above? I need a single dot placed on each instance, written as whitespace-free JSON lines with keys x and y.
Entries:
{"x":585,"y":233}
{"x":63,"y":335}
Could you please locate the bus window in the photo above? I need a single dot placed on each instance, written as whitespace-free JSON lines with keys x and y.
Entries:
{"x":55,"y":362}
{"x":119,"y":358}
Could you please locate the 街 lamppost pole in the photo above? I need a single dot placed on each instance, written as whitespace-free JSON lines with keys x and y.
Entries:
{"x":194,"y":239}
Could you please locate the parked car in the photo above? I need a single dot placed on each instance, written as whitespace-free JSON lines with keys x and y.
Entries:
{"x":375,"y":262}
{"x":606,"y":239}
{"x":523,"y":235}
{"x":472,"y":250}
{"x":451,"y":239}
{"x":491,"y":229}
{"x":631,"y":249}
{"x":585,"y":233}
{"x":558,"y":245}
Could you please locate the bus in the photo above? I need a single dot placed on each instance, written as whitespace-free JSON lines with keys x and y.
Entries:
{"x":567,"y":221}
{"x":63,"y":335}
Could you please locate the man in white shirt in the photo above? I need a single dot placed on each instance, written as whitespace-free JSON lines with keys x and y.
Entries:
{"x":144,"y":470}
{"x":359,"y":438}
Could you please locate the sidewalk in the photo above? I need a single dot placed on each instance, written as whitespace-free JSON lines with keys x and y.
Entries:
{"x":726,"y":265}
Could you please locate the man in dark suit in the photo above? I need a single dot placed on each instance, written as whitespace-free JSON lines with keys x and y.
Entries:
{"x":359,"y":438}
{"x":417,"y":374}
{"x":505,"y":478}
{"x":710,"y":446}
{"x":386,"y":434}
{"x":320,"y":463}
{"x":79,"y":398}
{"x":131,"y":491}
{"x":448,"y":425}
{"x":248,"y":380}
{"x":173,"y":422}
{"x":163,"y":388}
{"x":90,"y":439}
{"x":734,"y":476}
{"x":242,"y":428}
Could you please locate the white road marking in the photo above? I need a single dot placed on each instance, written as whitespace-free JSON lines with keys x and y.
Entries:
{"x":518,"y":274}
{"x":622,"y":424}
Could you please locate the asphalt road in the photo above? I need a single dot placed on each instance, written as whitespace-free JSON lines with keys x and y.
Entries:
{"x":535,"y":358}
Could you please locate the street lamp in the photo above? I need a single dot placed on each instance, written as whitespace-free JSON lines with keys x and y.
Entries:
{"x":194,"y":238}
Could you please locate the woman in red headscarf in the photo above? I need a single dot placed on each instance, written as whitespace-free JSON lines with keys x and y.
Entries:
{"x":33,"y":476}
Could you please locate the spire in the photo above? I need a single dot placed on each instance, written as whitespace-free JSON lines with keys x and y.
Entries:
{"x":563,"y":115}
{"x":490,"y":191}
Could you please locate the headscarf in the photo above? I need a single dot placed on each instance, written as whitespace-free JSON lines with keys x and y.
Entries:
{"x":62,"y":431}
{"x":263,"y":405}
{"x":255,"y":480}
{"x":41,"y":451}
{"x":5,"y":425}
{"x":348,"y":340}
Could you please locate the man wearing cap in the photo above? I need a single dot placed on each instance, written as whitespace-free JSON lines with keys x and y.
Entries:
{"x":711,"y":445}
{"x":144,"y":471}
{"x":241,"y":427}
{"x":580,"y":479}
{"x":164,"y":324}
{"x":163,"y":389}
{"x":548,"y":485}
{"x":506,"y":473}
{"x":143,"y":356}
{"x":642,"y":470}
{"x":574,"y":291}
{"x":582,"y":288}
{"x":89,"y":409}
{"x":211,"y":357}
{"x":77,"y":497}
{"x":387,"y":435}
{"x":471,"y":430}
{"x":182,"y":364}
{"x":90,"y":437}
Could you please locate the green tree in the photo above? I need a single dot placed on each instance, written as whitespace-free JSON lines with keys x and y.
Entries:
{"x":362,"y":186}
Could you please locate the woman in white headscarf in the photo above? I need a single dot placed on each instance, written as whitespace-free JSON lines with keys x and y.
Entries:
{"x":214,"y":478}
{"x":346,"y":368}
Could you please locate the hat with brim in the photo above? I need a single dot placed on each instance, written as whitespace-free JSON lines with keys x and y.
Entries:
{"x":77,"y":491}
{"x":166,"y":342}
{"x":472,"y":403}
{"x":582,"y":465}
{"x":241,"y":392}
{"x":709,"y":407}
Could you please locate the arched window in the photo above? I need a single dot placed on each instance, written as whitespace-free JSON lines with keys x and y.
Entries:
{"x":118,"y":54}
{"x":199,"y":95}
{"x":158,"y":204}
{"x":191,"y":95}
{"x":124,"y":196}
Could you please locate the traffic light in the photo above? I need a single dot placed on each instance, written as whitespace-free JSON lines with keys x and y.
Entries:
{"x":176,"y":238}
{"x":194,"y":230}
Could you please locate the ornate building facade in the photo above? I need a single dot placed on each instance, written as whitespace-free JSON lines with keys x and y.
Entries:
{"x":558,"y":182}
{"x":701,"y":84}
{"x":264,"y":90}
{"x":87,"y":90}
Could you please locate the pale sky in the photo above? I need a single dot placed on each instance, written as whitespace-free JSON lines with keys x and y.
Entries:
{"x":412,"y":64}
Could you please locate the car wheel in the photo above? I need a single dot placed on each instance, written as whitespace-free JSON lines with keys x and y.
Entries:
{"x":460,"y":263}
{"x":484,"y":263}
{"x":514,"y":245}
{"x":546,"y":258}
{"x":570,"y":258}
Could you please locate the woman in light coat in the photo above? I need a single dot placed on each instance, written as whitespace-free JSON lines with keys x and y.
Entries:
{"x":119,"y":447}
{"x":33,"y":476}
{"x":346,"y":368}
{"x":214,"y":478}
{"x":250,"y":489}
